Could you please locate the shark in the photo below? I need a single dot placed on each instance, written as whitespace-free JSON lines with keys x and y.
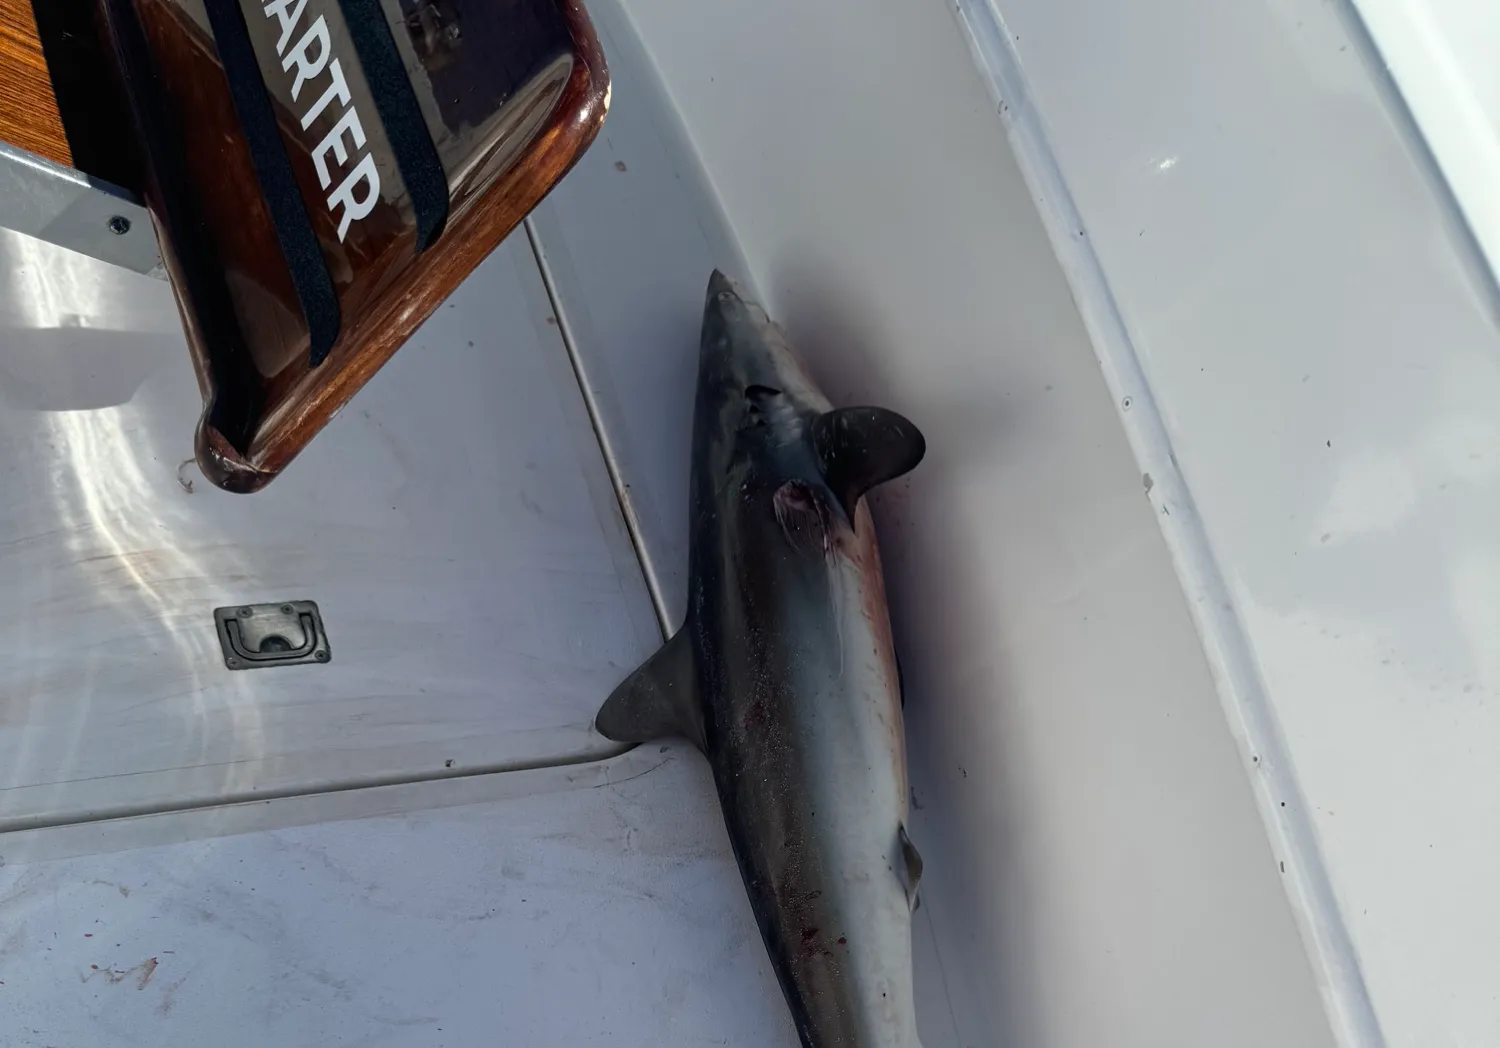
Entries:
{"x":784,"y":674}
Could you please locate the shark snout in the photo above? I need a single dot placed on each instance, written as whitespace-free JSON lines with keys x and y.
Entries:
{"x":743,"y":350}
{"x":719,"y":284}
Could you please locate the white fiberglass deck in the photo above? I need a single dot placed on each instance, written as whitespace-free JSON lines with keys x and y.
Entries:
{"x":457,"y":529}
{"x":1097,"y":872}
{"x":1301,"y":331}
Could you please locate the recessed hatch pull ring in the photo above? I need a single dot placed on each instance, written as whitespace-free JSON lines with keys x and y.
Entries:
{"x":254,"y":636}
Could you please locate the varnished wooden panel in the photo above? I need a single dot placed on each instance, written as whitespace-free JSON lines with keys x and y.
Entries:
{"x":514,"y":91}
{"x":28,"y":109}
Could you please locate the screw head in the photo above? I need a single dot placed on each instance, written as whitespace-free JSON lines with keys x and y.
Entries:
{"x":119,"y":225}
{"x":247,"y":612}
{"x":286,"y":609}
{"x":232,"y":661}
{"x":321,"y":656}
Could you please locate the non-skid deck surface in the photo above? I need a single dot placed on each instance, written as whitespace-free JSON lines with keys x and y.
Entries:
{"x":607,"y":911}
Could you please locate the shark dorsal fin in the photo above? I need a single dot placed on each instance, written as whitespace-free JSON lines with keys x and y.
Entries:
{"x":657,"y":700}
{"x":862,"y":447}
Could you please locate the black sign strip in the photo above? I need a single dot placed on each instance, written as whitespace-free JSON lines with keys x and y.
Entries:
{"x":237,"y":401}
{"x":294,"y":231}
{"x":405,"y":128}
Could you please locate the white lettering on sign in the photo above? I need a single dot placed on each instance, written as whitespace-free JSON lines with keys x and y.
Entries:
{"x":289,"y":13}
{"x":311,"y":57}
{"x":308,"y":67}
{"x":339,"y":88}
{"x":334,"y":140}
{"x":363,"y":175}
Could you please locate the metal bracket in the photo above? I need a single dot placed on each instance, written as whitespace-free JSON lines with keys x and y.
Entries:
{"x":254,"y":636}
{"x":68,"y":208}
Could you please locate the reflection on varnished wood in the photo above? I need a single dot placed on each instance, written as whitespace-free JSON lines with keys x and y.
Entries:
{"x":86,"y":85}
{"x":229,"y":198}
{"x":544,"y":107}
{"x":28,"y":115}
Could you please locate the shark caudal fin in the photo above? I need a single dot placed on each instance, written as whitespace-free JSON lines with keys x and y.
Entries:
{"x":657,"y":700}
{"x":862,"y":447}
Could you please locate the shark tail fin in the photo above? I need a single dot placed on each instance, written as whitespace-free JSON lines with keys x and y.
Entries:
{"x":657,"y":700}
{"x":862,"y":447}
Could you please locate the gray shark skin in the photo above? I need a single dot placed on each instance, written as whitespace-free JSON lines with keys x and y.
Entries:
{"x":785,"y":677}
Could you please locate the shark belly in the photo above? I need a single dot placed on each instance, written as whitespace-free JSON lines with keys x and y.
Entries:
{"x":808,"y":755}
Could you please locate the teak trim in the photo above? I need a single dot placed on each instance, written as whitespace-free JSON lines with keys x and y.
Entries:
{"x":293,"y":406}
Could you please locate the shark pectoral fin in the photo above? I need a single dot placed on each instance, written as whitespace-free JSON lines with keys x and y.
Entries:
{"x":657,"y":700}
{"x":912,"y":862}
{"x":862,"y":447}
